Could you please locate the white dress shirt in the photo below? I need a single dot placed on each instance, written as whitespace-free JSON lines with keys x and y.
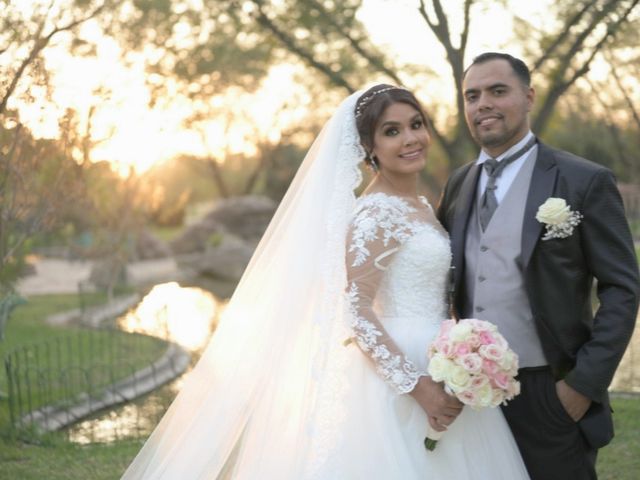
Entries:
{"x":510,"y":171}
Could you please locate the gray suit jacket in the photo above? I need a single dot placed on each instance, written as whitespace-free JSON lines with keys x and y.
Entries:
{"x":581,"y":347}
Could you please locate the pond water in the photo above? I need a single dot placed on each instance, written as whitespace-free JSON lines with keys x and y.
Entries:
{"x":184,"y":315}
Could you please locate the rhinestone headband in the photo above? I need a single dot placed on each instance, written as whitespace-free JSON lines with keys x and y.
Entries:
{"x":364,"y":101}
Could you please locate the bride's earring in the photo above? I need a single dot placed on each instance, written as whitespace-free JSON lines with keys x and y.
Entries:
{"x":372,"y":161}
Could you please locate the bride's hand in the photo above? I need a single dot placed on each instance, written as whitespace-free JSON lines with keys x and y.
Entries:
{"x":441,"y":408}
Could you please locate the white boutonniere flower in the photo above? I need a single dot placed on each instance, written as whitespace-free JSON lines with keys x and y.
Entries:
{"x":558,"y":218}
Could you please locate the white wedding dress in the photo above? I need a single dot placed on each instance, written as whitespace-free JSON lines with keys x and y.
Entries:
{"x":307,"y":374}
{"x":397,"y":266}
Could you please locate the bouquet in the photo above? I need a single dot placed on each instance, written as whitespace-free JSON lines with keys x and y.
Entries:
{"x":476,"y":365}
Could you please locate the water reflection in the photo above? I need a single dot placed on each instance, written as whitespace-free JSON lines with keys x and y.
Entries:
{"x":185,"y":315}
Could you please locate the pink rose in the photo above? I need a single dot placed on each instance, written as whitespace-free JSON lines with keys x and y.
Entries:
{"x":471,"y":362}
{"x":489,"y":367}
{"x":492,"y":352}
{"x":468,"y":397}
{"x":443,"y":346}
{"x":486,"y":338}
{"x":479,"y":381}
{"x":501,"y":380}
{"x":461,"y":349}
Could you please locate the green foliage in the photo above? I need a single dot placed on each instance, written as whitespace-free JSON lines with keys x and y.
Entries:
{"x":215,"y":239}
{"x":282,"y":163}
{"x":226,"y":43}
{"x":37,"y":183}
{"x":577,"y":130}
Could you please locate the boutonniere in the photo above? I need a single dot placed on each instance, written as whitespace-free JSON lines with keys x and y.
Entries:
{"x":558,"y":218}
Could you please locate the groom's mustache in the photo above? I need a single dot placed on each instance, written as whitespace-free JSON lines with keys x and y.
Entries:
{"x":481,"y":118}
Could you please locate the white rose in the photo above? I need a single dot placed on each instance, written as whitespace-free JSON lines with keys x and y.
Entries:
{"x":553,"y":212}
{"x":460,"y":332}
{"x":440,"y":368}
{"x":484,"y":396}
{"x":459,"y":379}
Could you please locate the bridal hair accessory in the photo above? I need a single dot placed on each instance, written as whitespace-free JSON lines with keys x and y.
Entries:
{"x":558,"y":218}
{"x":363,"y":102}
{"x":476,"y":365}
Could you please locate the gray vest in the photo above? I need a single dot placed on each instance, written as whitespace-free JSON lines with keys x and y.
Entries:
{"x":493,"y":272}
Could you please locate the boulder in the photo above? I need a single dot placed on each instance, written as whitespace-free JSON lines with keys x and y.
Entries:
{"x":244,"y":217}
{"x":149,"y":246}
{"x":226,"y":260}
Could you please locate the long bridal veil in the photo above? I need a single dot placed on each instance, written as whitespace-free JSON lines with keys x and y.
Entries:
{"x":264,"y":399}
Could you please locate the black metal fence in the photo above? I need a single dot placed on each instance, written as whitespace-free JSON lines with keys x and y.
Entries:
{"x":55,"y":383}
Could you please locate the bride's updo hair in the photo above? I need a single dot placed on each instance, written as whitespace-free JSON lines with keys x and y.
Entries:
{"x":371,"y":106}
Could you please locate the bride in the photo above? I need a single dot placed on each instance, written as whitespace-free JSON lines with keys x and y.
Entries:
{"x":317,"y":369}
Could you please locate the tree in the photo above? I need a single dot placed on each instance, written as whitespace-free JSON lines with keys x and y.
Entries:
{"x":37,"y":177}
{"x":26,"y":32}
{"x":232,"y":42}
{"x":36,"y":181}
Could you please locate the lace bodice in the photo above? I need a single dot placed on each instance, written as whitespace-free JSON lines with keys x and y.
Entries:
{"x":397,"y":265}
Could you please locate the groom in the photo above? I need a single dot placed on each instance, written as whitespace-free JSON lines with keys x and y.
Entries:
{"x":531,"y":228}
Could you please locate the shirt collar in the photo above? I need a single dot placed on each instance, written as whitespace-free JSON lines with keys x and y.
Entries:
{"x":484,"y":156}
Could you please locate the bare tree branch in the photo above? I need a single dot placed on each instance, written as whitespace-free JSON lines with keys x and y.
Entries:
{"x":562,"y":36}
{"x":293,"y":47}
{"x":611,"y":125}
{"x":214,"y":166}
{"x":561,"y":86}
{"x":373,"y":59}
{"x":455,"y":57}
{"x":39,"y":44}
{"x":627,"y":99}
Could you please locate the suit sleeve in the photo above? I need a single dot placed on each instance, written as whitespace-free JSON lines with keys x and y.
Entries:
{"x":610,"y":256}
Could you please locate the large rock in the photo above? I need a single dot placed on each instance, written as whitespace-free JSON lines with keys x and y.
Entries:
{"x":227,"y":260}
{"x":246,"y":217}
{"x":149,"y":246}
{"x":243,"y":217}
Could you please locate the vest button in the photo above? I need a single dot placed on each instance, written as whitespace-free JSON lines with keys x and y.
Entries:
{"x":481,"y":278}
{"x":479,"y":309}
{"x":484,"y":248}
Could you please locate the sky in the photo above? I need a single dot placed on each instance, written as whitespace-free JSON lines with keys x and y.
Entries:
{"x":130,"y":133}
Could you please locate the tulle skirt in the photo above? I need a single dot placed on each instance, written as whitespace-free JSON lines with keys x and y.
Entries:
{"x":383,"y":432}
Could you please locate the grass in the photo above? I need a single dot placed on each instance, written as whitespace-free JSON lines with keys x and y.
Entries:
{"x":167,"y":233}
{"x":59,"y":460}
{"x":621,"y":459}
{"x":63,"y":360}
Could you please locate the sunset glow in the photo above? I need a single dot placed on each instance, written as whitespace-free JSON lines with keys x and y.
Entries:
{"x":128,"y":132}
{"x":182,"y":315}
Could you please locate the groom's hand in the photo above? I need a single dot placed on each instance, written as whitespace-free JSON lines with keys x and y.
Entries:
{"x":575,"y":403}
{"x":441,"y":408}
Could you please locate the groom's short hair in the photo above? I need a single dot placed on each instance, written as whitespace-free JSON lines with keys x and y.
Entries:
{"x":519,"y":67}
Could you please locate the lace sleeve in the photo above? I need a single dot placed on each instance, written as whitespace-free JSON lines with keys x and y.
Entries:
{"x":376,"y":233}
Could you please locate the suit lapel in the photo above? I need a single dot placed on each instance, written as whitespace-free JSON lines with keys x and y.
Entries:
{"x":464,"y":206}
{"x":542,"y":185}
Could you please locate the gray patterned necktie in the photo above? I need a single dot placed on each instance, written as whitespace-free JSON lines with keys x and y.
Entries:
{"x":494,"y":168}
